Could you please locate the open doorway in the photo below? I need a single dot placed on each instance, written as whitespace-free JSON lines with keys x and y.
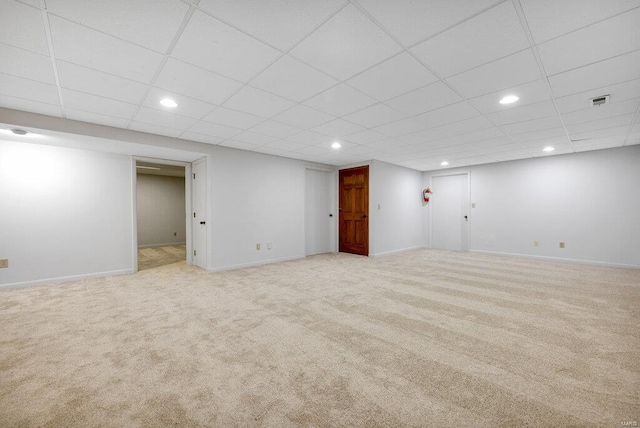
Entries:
{"x":161,"y":201}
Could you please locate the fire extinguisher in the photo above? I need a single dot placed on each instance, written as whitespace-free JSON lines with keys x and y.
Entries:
{"x":426,"y":194}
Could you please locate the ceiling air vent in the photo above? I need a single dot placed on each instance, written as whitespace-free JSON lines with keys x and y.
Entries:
{"x":598,"y":101}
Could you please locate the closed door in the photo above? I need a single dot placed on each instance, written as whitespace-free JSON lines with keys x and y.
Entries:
{"x":320,"y":219}
{"x":450,"y":210}
{"x":354,"y":210}
{"x":199,"y":215}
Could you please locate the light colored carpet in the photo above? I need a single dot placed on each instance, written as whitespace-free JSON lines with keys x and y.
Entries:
{"x":152,"y":257}
{"x":424,"y":338}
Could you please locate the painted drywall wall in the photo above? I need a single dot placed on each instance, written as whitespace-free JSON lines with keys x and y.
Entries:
{"x":396,"y":208}
{"x":588,"y":200}
{"x":161,"y":210}
{"x":255,"y":199}
{"x":64,"y":213}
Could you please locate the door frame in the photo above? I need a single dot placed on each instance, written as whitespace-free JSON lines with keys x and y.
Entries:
{"x":187,"y":202}
{"x":450,"y":174}
{"x":335,"y":172}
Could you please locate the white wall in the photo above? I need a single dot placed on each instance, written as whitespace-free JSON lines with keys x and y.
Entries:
{"x":161,"y":210}
{"x":63,"y":213}
{"x":588,"y":200}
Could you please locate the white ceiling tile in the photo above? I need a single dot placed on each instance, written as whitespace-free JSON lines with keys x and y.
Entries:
{"x":540,"y":135}
{"x":303,"y":117}
{"x":395,"y":76}
{"x":520,"y":114}
{"x":551,"y":18}
{"x":236,"y":119}
{"x":240,"y":145}
{"x":595,"y":125}
{"x":414,"y":20}
{"x":23,"y":63}
{"x":424,"y":99}
{"x":365,"y":137}
{"x":588,"y":45}
{"x":604,"y":73}
{"x":292,"y":79}
{"x":164,"y":118}
{"x":186,"y":106}
{"x":100,"y":119}
{"x":151,"y":128}
{"x":310,"y":150}
{"x":215,"y":46}
{"x":493,"y":34}
{"x":448,"y":114}
{"x":28,"y":89}
{"x":346,"y":44}
{"x":258,"y":102}
{"x":601,"y":112}
{"x":340,"y":100}
{"x":276,"y":22}
{"x":201,"y":138}
{"x":475,"y":136}
{"x":309,"y":137}
{"x":617,"y":131}
{"x":401,"y":127}
{"x":503,"y":73}
{"x":186,"y":79}
{"x":337,"y":128}
{"x":422,"y":136}
{"x":598,"y":144}
{"x":22,"y":26}
{"x":375,"y":115}
{"x":285,"y":145}
{"x":214,"y":130}
{"x":636,"y":127}
{"x":149,"y":23}
{"x":465,"y":126}
{"x":254,"y":138}
{"x":97,"y":83}
{"x":268,"y":150}
{"x":489,"y":144}
{"x":83,"y":46}
{"x":533,"y":125}
{"x":620,"y":92}
{"x":275,"y":129}
{"x":529,"y":93}
{"x":28,"y":105}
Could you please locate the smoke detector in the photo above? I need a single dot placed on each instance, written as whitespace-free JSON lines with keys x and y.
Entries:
{"x":598,"y":101}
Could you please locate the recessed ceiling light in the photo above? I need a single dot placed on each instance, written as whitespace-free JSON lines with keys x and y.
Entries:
{"x":19,"y":131}
{"x":509,"y":99}
{"x":168,"y":102}
{"x":336,"y":145}
{"x":444,"y":163}
{"x":548,"y":149}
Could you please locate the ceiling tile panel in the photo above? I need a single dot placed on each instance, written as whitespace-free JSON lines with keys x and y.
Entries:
{"x":375,"y":115}
{"x":449,"y":114}
{"x":83,"y":46}
{"x":340,"y":100}
{"x":476,"y":136}
{"x":151,"y":128}
{"x":22,"y":26}
{"x":187,"y":106}
{"x":598,"y":124}
{"x":529,"y":93}
{"x":254,"y":138}
{"x":236,"y":119}
{"x":337,"y":128}
{"x":501,"y":74}
{"x":533,"y":125}
{"x":276,"y":129}
{"x":28,"y":105}
{"x":521,"y":114}
{"x":292,"y":79}
{"x":100,"y":119}
{"x":310,"y":137}
{"x":491,"y":35}
{"x":422,"y":136}
{"x":148,"y":23}
{"x":194,"y":136}
{"x":28,"y":89}
{"x":401,"y":127}
{"x":164,"y":118}
{"x":94,"y":104}
{"x":303,"y":117}
{"x":214,"y":130}
{"x":395,"y":76}
{"x":620,"y":92}
{"x":215,"y":46}
{"x":23,"y":63}
{"x":365,"y":137}
{"x":466,"y":126}
{"x":424,"y":99}
{"x":257,"y":102}
{"x":601,"y":112}
{"x":240,"y":145}
{"x":539,"y":135}
{"x":345,"y":45}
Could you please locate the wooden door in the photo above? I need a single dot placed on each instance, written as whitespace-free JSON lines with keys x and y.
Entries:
{"x":354,"y":210}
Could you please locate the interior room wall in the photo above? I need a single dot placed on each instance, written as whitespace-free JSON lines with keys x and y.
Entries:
{"x":161,"y":210}
{"x":64,"y":213}
{"x":587,"y":200}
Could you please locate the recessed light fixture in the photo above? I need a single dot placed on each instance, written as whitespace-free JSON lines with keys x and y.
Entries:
{"x":168,"y":102}
{"x":509,"y":99}
{"x":336,"y":145}
{"x":148,"y":167}
{"x":444,"y":163}
{"x":548,"y":149}
{"x":19,"y":131}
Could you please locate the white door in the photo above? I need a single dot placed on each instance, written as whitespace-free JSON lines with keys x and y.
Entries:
{"x":320,"y":212}
{"x":199,"y":215}
{"x":449,"y":212}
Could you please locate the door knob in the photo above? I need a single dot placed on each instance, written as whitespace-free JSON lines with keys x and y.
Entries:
{"x":364,"y":216}
{"x":330,"y":215}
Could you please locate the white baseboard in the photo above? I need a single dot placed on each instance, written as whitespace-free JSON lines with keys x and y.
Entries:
{"x":558,"y":259}
{"x":401,"y":250}
{"x":50,"y":281}
{"x":252,"y":264}
{"x":168,"y":244}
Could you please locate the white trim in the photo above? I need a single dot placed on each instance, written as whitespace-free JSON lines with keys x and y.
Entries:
{"x":558,"y":259}
{"x":252,"y":264}
{"x":66,"y":279}
{"x":468,"y":174}
{"x":168,"y":244}
{"x":401,"y":250}
{"x":134,"y":214}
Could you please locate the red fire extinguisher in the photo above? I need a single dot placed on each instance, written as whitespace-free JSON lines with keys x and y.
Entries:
{"x":426,"y":194}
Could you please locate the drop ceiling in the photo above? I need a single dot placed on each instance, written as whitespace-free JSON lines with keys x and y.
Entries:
{"x":408,"y":82}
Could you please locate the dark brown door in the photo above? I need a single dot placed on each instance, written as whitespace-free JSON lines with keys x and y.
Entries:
{"x":354,"y":210}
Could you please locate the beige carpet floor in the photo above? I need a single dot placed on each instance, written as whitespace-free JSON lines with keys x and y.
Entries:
{"x":423,"y":338}
{"x":152,"y":257}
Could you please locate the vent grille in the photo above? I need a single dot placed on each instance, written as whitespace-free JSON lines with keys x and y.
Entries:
{"x":598,"y":101}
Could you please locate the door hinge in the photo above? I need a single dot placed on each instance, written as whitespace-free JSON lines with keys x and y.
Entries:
{"x":194,"y":176}
{"x":194,"y":252}
{"x":194,"y":215}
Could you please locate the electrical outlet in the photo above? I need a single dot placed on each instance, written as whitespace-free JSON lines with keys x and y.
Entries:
{"x":4,"y":263}
{"x":536,"y":243}
{"x":257,"y":246}
{"x":268,"y":245}
{"x":562,"y":245}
